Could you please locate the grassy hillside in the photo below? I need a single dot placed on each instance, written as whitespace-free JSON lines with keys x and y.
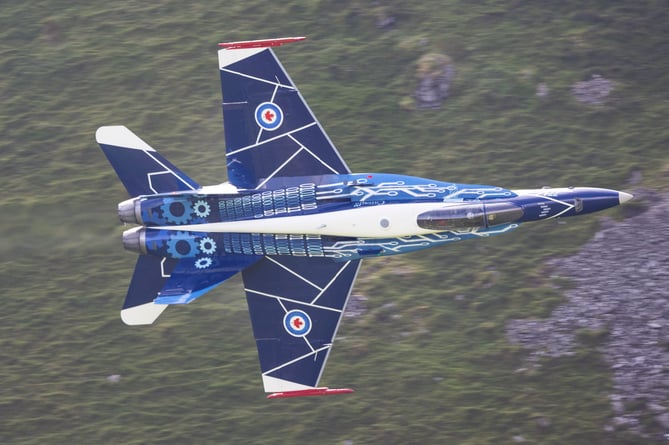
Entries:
{"x":429,"y":358}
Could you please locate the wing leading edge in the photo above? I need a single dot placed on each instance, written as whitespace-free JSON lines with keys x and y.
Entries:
{"x":296,"y":305}
{"x":269,"y":129}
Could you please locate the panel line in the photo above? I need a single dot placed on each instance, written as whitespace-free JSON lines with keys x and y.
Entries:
{"x":327,"y":286}
{"x":293,"y":272}
{"x":297,"y":359}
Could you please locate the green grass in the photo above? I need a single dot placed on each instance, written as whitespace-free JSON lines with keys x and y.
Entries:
{"x":433,"y":368}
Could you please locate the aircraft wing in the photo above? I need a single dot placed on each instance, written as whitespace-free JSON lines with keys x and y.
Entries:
{"x":296,"y":304}
{"x":269,"y":129}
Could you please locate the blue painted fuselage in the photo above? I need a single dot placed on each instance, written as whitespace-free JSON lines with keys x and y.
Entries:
{"x":188,"y":225}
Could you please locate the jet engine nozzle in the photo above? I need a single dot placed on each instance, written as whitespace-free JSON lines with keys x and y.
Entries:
{"x":134,"y":240}
{"x":130,"y":211}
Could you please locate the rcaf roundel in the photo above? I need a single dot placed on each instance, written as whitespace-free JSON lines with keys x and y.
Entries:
{"x":297,"y":323}
{"x":269,"y":116}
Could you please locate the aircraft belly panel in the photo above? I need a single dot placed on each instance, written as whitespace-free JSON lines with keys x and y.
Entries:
{"x":380,"y":221}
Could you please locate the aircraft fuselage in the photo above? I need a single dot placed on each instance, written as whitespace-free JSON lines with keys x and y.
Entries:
{"x":342,"y":216}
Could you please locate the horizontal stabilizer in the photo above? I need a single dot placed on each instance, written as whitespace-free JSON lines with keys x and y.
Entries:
{"x":150,"y":274}
{"x":184,"y":296}
{"x":194,"y":277}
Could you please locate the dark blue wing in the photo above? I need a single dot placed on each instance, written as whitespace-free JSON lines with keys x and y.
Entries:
{"x":269,"y":129}
{"x":296,"y":304}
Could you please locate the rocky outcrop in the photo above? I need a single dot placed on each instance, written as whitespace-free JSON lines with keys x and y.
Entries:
{"x":435,"y":72}
{"x":592,"y":92}
{"x":621,"y":296}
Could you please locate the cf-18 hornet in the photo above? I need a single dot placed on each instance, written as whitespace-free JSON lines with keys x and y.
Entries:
{"x":293,"y":219}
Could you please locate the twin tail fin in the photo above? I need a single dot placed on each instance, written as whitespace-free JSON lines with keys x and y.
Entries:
{"x":141,"y":169}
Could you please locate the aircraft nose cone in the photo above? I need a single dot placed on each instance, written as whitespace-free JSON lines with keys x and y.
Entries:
{"x":624,"y":197}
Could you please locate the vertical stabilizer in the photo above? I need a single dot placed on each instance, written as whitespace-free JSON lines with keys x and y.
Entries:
{"x":141,"y":169}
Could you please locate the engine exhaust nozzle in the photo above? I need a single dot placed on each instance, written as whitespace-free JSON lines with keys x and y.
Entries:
{"x":134,"y":240}
{"x":130,"y":211}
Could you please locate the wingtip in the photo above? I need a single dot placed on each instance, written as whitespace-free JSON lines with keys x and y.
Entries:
{"x":263,"y":43}
{"x":323,"y":391}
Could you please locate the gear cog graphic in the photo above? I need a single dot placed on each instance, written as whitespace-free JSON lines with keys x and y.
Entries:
{"x":176,"y":211}
{"x":201,"y":208}
{"x":207,"y":245}
{"x":203,"y":263}
{"x":182,"y":245}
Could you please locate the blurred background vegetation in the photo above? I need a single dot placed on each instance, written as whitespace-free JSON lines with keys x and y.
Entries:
{"x":428,"y":357}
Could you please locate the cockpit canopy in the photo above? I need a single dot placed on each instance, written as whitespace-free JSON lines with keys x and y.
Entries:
{"x":470,"y":216}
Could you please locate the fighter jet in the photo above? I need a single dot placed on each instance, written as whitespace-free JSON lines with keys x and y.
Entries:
{"x":293,"y":219}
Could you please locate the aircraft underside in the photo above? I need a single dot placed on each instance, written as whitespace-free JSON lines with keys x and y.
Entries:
{"x":342,"y":217}
{"x":292,"y":219}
